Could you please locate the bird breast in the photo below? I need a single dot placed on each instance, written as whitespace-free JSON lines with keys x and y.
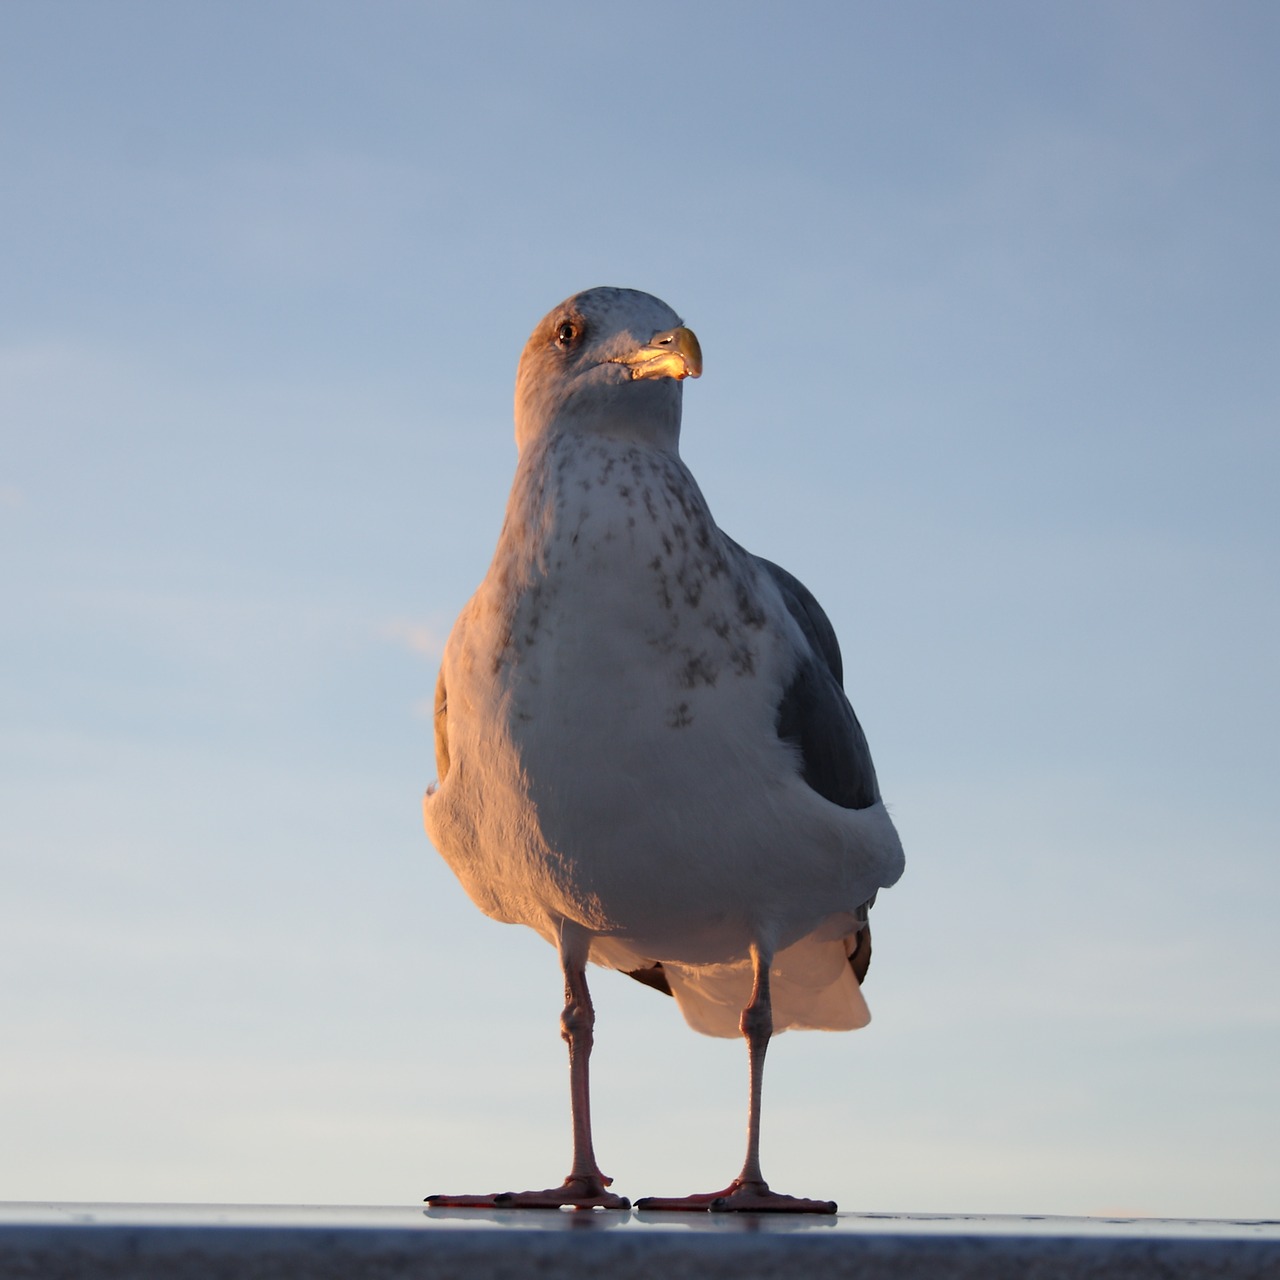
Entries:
{"x":613,"y":694}
{"x":620,"y":582}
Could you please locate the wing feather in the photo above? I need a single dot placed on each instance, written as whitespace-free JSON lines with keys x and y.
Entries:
{"x":814,"y":712}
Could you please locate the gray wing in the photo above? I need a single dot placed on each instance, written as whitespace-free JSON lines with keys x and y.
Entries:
{"x":814,"y":713}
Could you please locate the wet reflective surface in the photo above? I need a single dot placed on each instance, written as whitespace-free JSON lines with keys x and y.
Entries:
{"x":413,"y":1217}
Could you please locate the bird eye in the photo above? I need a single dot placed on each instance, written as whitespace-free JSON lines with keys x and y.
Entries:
{"x":566,"y":334}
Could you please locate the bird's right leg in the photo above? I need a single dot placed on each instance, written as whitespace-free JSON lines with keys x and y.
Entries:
{"x":585,"y":1187}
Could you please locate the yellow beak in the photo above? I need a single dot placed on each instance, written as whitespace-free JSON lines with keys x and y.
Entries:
{"x":673,"y":354}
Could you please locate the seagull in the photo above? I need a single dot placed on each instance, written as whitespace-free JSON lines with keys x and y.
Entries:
{"x":643,"y":743}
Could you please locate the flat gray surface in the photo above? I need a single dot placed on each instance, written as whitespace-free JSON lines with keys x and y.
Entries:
{"x":250,"y":1241}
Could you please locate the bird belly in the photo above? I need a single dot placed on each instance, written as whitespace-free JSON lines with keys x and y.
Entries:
{"x":612,"y":733}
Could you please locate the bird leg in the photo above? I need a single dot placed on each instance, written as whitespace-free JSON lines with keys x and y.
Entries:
{"x":585,"y":1187}
{"x":749,"y":1192}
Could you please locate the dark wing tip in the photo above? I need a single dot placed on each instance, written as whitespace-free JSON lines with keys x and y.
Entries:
{"x":860,"y":957}
{"x":814,"y":712}
{"x":835,"y":760}
{"x":653,"y":976}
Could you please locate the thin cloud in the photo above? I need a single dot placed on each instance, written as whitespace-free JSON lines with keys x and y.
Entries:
{"x":426,"y":639}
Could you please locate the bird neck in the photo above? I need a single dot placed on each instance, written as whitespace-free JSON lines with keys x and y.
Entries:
{"x":643,"y":413}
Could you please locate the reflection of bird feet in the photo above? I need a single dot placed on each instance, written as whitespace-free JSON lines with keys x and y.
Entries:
{"x":588,"y":1192}
{"x":739,"y":1197}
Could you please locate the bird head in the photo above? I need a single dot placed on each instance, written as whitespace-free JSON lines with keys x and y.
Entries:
{"x":606,"y":362}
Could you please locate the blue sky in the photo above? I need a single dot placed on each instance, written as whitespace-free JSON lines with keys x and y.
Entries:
{"x":987,"y":295}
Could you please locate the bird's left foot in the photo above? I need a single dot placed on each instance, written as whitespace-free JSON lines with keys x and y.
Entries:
{"x":588,"y":1192}
{"x":739,"y":1197}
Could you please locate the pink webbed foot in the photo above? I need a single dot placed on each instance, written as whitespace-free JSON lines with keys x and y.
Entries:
{"x":739,"y":1197}
{"x":574,"y":1193}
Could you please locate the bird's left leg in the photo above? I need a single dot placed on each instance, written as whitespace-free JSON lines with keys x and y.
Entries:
{"x":749,"y":1192}
{"x":585,"y":1187}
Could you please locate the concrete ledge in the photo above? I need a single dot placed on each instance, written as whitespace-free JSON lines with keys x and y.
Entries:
{"x":106,"y":1242}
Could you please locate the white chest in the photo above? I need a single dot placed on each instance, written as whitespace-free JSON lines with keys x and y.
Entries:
{"x":614,"y":593}
{"x":613,"y":693}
